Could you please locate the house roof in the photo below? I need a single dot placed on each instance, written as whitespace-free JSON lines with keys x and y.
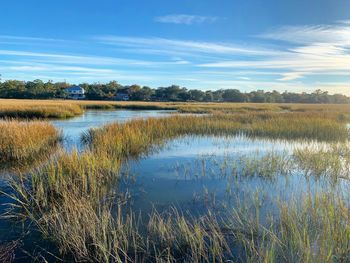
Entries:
{"x":74,"y":88}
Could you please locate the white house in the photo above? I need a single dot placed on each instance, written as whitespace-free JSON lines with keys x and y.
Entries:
{"x":75,"y":93}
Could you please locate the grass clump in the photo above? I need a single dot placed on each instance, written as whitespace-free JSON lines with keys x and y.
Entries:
{"x":25,"y":141}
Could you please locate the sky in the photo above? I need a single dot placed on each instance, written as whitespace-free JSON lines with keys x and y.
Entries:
{"x":294,"y":45}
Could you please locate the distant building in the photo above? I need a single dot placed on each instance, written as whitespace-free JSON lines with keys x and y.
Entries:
{"x":122,"y":96}
{"x":75,"y":93}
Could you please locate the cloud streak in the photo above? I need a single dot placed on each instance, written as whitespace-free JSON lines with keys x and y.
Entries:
{"x":183,"y":19}
{"x":175,"y":45}
{"x":313,"y":49}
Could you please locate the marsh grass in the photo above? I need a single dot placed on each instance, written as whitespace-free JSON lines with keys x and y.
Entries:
{"x":35,"y":109}
{"x":312,"y":228}
{"x":67,"y":200}
{"x":70,"y":202}
{"x":25,"y":141}
{"x":267,"y":165}
{"x":71,"y":199}
{"x":7,"y":251}
{"x":317,"y":229}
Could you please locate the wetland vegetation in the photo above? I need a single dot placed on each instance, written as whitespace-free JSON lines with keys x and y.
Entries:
{"x":23,"y":141}
{"x":243,"y":182}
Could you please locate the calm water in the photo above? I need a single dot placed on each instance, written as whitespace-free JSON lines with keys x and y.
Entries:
{"x":195,"y":174}
{"x":192,"y":173}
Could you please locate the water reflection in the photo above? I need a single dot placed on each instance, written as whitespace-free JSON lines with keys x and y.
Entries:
{"x":199,"y":173}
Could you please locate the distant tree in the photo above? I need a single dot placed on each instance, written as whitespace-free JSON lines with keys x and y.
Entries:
{"x":257,"y":96}
{"x":196,"y":95}
{"x":233,"y":95}
{"x":184,"y":95}
{"x":208,"y":96}
{"x":143,"y":94}
{"x":37,"y":89}
{"x":13,"y":89}
{"x":217,"y":95}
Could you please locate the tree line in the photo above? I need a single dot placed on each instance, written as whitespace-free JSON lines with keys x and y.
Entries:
{"x":38,"y":89}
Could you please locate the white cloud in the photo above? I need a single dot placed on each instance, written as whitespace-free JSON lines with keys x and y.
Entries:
{"x":85,"y":59}
{"x":291,"y":76}
{"x":185,"y":19}
{"x":25,"y":38}
{"x":337,"y":34}
{"x":175,"y":45}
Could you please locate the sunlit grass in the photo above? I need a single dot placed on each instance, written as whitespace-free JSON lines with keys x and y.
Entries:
{"x":24,"y":141}
{"x":34,"y":109}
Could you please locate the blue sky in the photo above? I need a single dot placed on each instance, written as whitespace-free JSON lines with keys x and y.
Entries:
{"x":283,"y":45}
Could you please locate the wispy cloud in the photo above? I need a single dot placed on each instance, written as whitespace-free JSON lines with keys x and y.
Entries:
{"x":314,"y":49}
{"x":86,"y":59}
{"x":185,"y":19}
{"x":175,"y":45}
{"x":26,"y":38}
{"x":291,"y":76}
{"x":336,"y":34}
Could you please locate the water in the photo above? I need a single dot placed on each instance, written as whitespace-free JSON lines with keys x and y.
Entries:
{"x":193,"y":173}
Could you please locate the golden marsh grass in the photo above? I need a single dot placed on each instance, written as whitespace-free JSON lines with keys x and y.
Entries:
{"x":26,"y":140}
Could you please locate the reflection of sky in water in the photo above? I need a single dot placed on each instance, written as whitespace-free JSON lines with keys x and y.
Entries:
{"x":174,"y":175}
{"x":210,"y":145}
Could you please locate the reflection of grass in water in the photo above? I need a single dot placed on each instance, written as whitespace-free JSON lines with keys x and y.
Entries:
{"x":267,"y":165}
{"x":329,"y":161}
